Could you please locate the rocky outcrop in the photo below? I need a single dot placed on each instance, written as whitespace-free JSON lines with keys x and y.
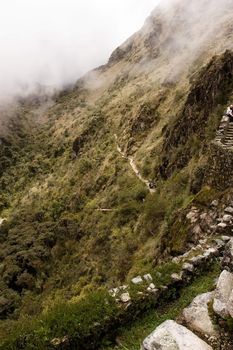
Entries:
{"x":201,"y":219}
{"x":171,"y":336}
{"x":197,"y":316}
{"x":223,"y":295}
{"x":211,"y":87}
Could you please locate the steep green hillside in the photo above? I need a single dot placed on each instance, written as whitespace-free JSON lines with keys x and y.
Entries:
{"x":75,"y":173}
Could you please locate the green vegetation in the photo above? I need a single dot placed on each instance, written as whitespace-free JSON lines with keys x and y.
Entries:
{"x":78,"y":219}
{"x":131,"y":337}
{"x":95,"y":319}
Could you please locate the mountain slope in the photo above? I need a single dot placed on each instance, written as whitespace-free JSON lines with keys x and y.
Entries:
{"x":78,"y":217}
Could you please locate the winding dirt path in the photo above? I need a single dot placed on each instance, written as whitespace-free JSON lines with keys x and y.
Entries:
{"x":134,"y":167}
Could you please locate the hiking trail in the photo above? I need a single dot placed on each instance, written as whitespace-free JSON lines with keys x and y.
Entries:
{"x":134,"y":167}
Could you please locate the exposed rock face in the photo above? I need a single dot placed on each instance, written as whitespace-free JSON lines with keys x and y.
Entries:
{"x":215,"y":78}
{"x":219,"y":174}
{"x":171,"y":336}
{"x":223,"y":293}
{"x":197,"y":316}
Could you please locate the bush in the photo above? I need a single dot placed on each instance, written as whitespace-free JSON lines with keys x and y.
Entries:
{"x":84,"y":323}
{"x":154,"y":213}
{"x":127,"y":212}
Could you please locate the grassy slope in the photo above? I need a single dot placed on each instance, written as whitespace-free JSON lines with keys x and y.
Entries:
{"x":56,"y":245}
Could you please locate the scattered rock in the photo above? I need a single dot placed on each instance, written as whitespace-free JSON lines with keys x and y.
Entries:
{"x":222,"y":225}
{"x":193,"y":215}
{"x":125,"y":297}
{"x":219,"y":242}
{"x":137,"y":280}
{"x":61,"y":343}
{"x":171,"y":336}
{"x":152,"y":289}
{"x":113,"y":292}
{"x":223,"y":293}
{"x":197,"y":260}
{"x":229,"y":210}
{"x":176,"y":277}
{"x":197,"y":317}
{"x":227,"y":218}
{"x":148,"y":277}
{"x":214,"y":203}
{"x":188,"y":267}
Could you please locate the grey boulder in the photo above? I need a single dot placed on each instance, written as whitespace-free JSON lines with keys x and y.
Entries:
{"x":172,"y":336}
{"x":197,"y":317}
{"x":223,"y":294}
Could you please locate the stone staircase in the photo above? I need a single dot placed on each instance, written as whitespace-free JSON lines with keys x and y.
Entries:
{"x":224,"y":134}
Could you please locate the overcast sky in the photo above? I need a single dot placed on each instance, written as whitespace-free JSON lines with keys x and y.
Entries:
{"x":55,"y":41}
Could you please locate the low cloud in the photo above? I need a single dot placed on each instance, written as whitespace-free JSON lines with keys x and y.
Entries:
{"x":53,"y":42}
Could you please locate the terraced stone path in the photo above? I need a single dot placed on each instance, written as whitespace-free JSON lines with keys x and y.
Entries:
{"x":224,"y":134}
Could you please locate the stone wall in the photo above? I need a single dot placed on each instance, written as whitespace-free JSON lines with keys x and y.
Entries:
{"x":220,"y":170}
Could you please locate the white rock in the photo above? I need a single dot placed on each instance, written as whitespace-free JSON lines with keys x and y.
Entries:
{"x":148,"y":277}
{"x":222,"y":225}
{"x":214,"y":203}
{"x":113,"y":292}
{"x":152,"y":288}
{"x":197,"y":316}
{"x":219,"y":242}
{"x":176,"y":277}
{"x":137,"y":280}
{"x":171,"y":336}
{"x":225,"y":238}
{"x":197,"y":260}
{"x":188,"y":267}
{"x":192,"y":216}
{"x":222,"y":294}
{"x":125,"y":297}
{"x":229,"y":210}
{"x":227,"y":218}
{"x":124,"y":287}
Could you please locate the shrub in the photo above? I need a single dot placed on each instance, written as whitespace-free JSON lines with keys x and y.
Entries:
{"x":154,"y":212}
{"x":84,"y":323}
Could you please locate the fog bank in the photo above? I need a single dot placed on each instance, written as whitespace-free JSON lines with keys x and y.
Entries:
{"x":53,"y":42}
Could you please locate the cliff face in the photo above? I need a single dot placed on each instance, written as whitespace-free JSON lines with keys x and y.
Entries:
{"x":93,"y":183}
